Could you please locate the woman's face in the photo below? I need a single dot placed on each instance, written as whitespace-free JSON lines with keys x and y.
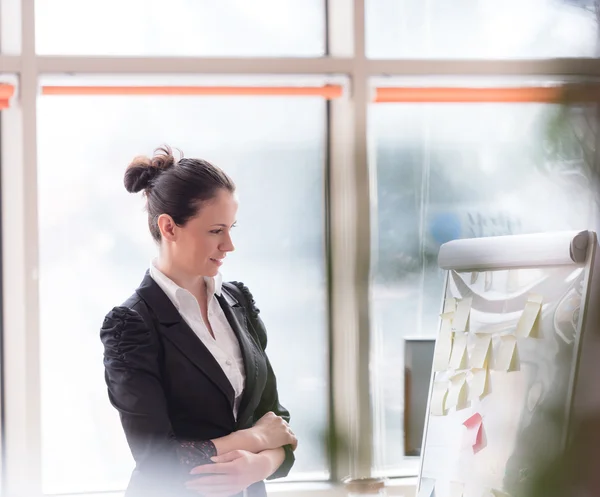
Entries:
{"x":199,"y":246}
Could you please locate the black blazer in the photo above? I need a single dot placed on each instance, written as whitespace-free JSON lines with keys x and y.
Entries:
{"x":172,"y":394}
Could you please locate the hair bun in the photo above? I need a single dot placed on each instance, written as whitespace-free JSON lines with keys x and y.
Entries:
{"x":142,"y":171}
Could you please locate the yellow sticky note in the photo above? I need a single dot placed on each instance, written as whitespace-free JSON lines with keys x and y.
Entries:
{"x":479,"y":381}
{"x":529,"y":316}
{"x":481,"y":351}
{"x":457,"y":489}
{"x":461,"y":316}
{"x":457,"y":396}
{"x":449,"y":305}
{"x":443,"y":349}
{"x":438,"y":398}
{"x":446,"y":326}
{"x":459,"y":349}
{"x":506,"y":359}
{"x":535,"y":297}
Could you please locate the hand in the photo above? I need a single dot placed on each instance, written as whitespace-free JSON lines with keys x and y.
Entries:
{"x":231,"y":473}
{"x":273,"y":432}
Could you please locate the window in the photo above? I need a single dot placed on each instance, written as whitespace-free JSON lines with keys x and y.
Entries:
{"x":181,"y":27}
{"x":447,"y":171}
{"x":321,"y":272}
{"x":95,"y":248}
{"x":511,"y":29}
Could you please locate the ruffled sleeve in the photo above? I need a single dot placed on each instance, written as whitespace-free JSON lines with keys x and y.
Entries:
{"x":133,"y":378}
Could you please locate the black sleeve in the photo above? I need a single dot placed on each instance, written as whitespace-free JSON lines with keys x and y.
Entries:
{"x":270,"y":397}
{"x":133,"y":378}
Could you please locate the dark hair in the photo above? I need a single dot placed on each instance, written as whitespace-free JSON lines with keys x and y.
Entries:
{"x":174,"y":188}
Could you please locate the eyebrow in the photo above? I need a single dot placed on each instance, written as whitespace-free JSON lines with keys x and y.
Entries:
{"x":223,"y":225}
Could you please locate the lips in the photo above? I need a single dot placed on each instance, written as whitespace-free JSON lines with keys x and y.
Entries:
{"x":218,"y":262}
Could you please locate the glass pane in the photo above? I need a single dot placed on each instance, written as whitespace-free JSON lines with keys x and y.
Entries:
{"x":481,"y":28}
{"x":181,"y":27}
{"x":449,"y":171}
{"x":95,"y":248}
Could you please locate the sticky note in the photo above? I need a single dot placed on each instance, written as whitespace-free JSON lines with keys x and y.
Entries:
{"x":481,"y":351}
{"x":446,"y":326}
{"x":474,"y":433}
{"x":427,"y":487}
{"x":479,"y":383}
{"x":507,"y":357}
{"x":538,"y":299}
{"x":457,"y":489}
{"x":461,"y":315}
{"x":449,"y":305}
{"x":529,"y":316}
{"x":438,"y":398}
{"x":443,"y":349}
{"x":457,"y":394}
{"x":459,"y":351}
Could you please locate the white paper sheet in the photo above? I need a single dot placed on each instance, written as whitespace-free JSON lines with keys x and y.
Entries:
{"x":427,"y":487}
{"x":457,"y":489}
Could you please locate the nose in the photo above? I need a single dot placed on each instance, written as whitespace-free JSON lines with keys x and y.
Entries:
{"x":227,"y":244}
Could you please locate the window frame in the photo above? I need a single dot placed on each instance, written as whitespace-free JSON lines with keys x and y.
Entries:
{"x":349,"y":205}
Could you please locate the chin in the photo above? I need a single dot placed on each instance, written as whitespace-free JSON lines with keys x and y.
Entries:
{"x":211,"y":271}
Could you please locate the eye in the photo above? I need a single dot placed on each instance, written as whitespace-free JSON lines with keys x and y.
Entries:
{"x":217,"y":232}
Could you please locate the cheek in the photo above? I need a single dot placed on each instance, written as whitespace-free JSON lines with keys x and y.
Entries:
{"x":190,"y":248}
{"x":203,"y":247}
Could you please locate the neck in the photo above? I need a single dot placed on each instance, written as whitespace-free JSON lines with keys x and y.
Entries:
{"x":192,"y":283}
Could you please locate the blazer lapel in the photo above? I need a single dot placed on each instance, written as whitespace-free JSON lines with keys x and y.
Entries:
{"x":174,"y":328}
{"x":236,"y":315}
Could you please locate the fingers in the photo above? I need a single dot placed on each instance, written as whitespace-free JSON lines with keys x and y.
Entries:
{"x":228,"y":456}
{"x":222,"y":464}
{"x":294,"y":442}
{"x":267,"y":416}
{"x":293,"y":439}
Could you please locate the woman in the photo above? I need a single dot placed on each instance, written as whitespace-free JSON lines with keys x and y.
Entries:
{"x":185,"y":355}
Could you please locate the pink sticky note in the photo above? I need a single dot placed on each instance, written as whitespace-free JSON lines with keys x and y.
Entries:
{"x":474,"y":426}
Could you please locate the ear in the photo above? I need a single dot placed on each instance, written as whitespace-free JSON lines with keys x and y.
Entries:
{"x":167,"y":227}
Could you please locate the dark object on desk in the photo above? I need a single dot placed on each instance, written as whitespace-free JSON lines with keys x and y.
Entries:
{"x":418,"y":361}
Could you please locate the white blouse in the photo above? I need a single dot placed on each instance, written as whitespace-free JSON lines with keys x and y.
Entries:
{"x":225,"y":347}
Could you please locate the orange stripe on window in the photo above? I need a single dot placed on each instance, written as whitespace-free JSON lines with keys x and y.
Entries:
{"x":6,"y":93}
{"x":327,"y":91}
{"x":554,"y":94}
